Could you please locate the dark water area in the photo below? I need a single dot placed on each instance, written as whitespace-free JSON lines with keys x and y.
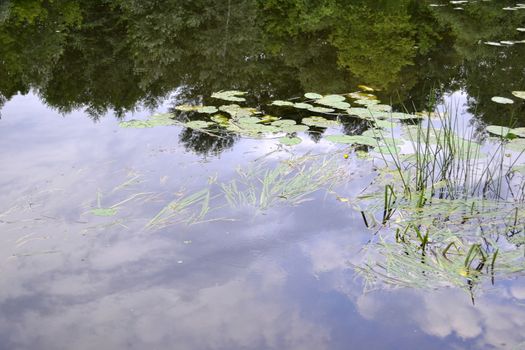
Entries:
{"x":90,"y":259}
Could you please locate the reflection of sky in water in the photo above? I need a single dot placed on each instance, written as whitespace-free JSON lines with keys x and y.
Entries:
{"x":279,"y":279}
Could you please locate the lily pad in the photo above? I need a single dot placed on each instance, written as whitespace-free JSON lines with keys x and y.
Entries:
{"x":385,"y":124}
{"x":198,"y":124}
{"x":220,"y":119}
{"x":520,"y":132}
{"x":313,"y":96}
{"x":104,"y":211}
{"x":499,"y":130}
{"x":231,"y":95}
{"x":352,"y":139}
{"x":359,"y":112}
{"x":238,"y":111}
{"x":187,"y":108}
{"x":319,"y":122}
{"x":268,"y":119}
{"x":281,"y":103}
{"x":207,"y":109}
{"x":502,"y":100}
{"x":519,"y":94}
{"x":293,"y":128}
{"x":365,"y":88}
{"x":139,"y":124}
{"x":320,"y":110}
{"x":517,"y":145}
{"x":284,"y":122}
{"x":290,"y":141}
{"x":301,"y":105}
{"x":366,"y":102}
{"x":380,"y":108}
{"x":248,"y":120}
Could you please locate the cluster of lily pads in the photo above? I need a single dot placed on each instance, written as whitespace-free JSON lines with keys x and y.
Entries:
{"x":251,"y":122}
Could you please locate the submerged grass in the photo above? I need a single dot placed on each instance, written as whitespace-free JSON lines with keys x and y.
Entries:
{"x":260,"y":187}
{"x":291,"y":181}
{"x":456,"y":210}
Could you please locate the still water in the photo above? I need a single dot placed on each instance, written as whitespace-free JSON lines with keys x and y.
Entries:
{"x":281,"y":274}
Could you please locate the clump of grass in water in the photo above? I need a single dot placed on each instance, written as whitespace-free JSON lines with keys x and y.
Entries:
{"x":290,"y":182}
{"x":457,"y":214}
{"x":260,"y":187}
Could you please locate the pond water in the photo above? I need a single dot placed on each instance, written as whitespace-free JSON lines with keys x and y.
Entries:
{"x":244,"y":174}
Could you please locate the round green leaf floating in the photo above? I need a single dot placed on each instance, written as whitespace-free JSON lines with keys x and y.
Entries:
{"x":207,"y":109}
{"x":198,"y":124}
{"x":319,"y":122}
{"x":104,"y":211}
{"x":268,"y":119}
{"x":499,"y":130}
{"x":313,"y":96}
{"x":187,"y":108}
{"x":352,"y":139}
{"x":290,"y":141}
{"x":293,"y":128}
{"x":220,"y":119}
{"x":366,"y":102}
{"x":519,"y":94}
{"x":301,"y":105}
{"x":517,"y":145}
{"x":502,"y":100}
{"x":232,"y":95}
{"x":281,"y":103}
{"x":139,"y":124}
{"x":284,"y":122}
{"x":248,"y":120}
{"x":520,"y":132}
{"x":320,"y":110}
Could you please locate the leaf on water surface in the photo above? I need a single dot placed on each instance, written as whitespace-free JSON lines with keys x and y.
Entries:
{"x":187,"y":108}
{"x":385,"y":124}
{"x":104,"y":211}
{"x":334,"y":102}
{"x":520,"y":132}
{"x":231,"y":95}
{"x":290,"y":141}
{"x":359,"y":95}
{"x":359,"y":112}
{"x":366,"y":102}
{"x":301,"y":105}
{"x":237,"y":111}
{"x":135,"y":124}
{"x":499,"y":130}
{"x":502,"y":100}
{"x":319,"y":122}
{"x":387,"y":149}
{"x":519,"y":94}
{"x":248,"y":120}
{"x":220,"y":119}
{"x":380,"y":108}
{"x":365,"y":88}
{"x":293,"y":128}
{"x":320,"y":110}
{"x":352,"y":139}
{"x":164,"y":119}
{"x":517,"y":145}
{"x":284,"y":122}
{"x":198,"y":124}
{"x":268,"y":119}
{"x":282,"y":103}
{"x":492,"y":43}
{"x":207,"y":109}
{"x":330,"y":99}
{"x":313,"y":96}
